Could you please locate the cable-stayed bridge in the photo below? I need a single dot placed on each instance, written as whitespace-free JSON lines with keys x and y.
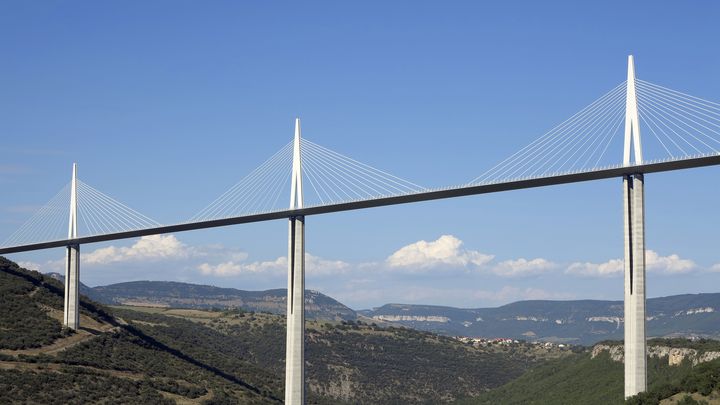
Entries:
{"x":603,"y":140}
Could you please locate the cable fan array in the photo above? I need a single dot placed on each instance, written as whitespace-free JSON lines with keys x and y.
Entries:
{"x":673,"y":125}
{"x":682,"y":124}
{"x":328,"y":178}
{"x":257,"y":192}
{"x":97,"y":214}
{"x":50,"y":222}
{"x":579,"y":142}
{"x":336,"y":178}
{"x":100,"y":214}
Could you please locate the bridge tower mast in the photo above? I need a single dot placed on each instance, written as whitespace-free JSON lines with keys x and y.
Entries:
{"x":72,"y":263}
{"x":295,"y":348}
{"x":634,"y":228}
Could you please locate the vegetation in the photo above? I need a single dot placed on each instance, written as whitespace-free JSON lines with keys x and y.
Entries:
{"x":74,"y":386}
{"x":164,"y":355}
{"x":349,"y":361}
{"x":703,"y":379}
{"x":25,"y":300}
{"x":582,"y":379}
{"x":116,"y":363}
{"x":160,"y":355}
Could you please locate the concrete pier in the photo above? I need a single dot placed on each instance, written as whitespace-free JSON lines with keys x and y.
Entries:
{"x":635,"y":338}
{"x":72,"y":288}
{"x":295,"y":358}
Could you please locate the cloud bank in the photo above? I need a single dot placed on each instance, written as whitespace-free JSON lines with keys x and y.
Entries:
{"x":671,"y":264}
{"x":446,"y":251}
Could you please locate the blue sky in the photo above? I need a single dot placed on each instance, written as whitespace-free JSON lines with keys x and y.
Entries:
{"x":165,"y":105}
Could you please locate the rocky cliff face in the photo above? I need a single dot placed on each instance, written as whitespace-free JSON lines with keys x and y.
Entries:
{"x":414,"y":318}
{"x":675,"y":355}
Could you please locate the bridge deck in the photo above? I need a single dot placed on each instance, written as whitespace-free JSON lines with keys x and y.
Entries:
{"x":383,"y":201}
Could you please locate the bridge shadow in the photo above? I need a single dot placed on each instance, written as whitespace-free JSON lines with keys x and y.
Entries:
{"x":179,"y":354}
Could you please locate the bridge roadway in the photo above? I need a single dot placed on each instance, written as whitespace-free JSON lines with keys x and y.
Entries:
{"x":430,"y":195}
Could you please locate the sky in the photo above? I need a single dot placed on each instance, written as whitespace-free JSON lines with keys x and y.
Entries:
{"x":164,"y":105}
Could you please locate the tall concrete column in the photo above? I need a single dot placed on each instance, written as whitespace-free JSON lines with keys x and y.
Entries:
{"x":72,"y":288}
{"x":635,"y":337}
{"x":71,"y":316}
{"x":295,"y":342}
{"x":294,"y":359}
{"x":634,"y":227}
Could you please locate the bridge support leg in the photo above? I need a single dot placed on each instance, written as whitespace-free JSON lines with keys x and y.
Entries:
{"x":295,"y":349}
{"x":635,"y":339}
{"x":72,"y":288}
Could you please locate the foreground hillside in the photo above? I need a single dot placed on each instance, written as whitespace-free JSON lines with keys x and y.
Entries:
{"x":352,"y":362}
{"x":583,"y":322}
{"x":676,"y":368}
{"x":156,"y":355}
{"x":108,"y":360}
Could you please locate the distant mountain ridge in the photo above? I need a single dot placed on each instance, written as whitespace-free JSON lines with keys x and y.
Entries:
{"x":173,"y":294}
{"x":579,"y":322}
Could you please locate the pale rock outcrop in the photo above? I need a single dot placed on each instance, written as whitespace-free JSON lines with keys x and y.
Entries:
{"x":412,"y":318}
{"x":675,"y":355}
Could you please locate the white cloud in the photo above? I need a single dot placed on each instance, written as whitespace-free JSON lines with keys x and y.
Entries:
{"x":323,"y":267}
{"x":671,"y":264}
{"x":232,"y":268}
{"x":612,"y":267}
{"x":446,"y":250}
{"x":314,"y":266}
{"x":522,"y":267}
{"x":715,"y":267}
{"x":148,"y":248}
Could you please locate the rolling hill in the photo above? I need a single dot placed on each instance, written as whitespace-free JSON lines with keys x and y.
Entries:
{"x":172,"y":294}
{"x":577,"y":322}
{"x":165,"y":355}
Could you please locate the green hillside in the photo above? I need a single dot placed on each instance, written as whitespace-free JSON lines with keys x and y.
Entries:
{"x":190,"y":356}
{"x":350,"y":361}
{"x":582,"y":379}
{"x":108,"y":360}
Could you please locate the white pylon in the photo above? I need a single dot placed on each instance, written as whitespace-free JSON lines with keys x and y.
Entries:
{"x":295,"y":342}
{"x":72,"y":222}
{"x":296,"y":189}
{"x":632,"y":118}
{"x":71,"y":312}
{"x":634,"y":265}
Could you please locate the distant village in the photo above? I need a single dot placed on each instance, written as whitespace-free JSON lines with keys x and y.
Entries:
{"x":485,"y":342}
